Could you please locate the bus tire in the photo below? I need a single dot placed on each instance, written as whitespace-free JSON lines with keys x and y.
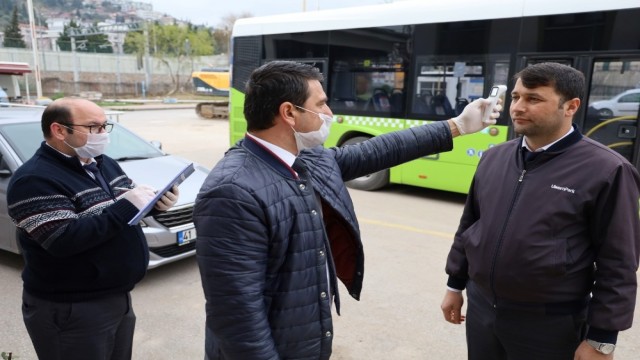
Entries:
{"x":369,"y":182}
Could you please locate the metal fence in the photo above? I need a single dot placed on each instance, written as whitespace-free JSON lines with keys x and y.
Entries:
{"x":117,"y":72}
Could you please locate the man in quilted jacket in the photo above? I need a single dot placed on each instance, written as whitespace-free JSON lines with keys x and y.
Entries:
{"x":276,"y":226}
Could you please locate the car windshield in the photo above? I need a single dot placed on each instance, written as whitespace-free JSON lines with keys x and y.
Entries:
{"x":25,"y":138}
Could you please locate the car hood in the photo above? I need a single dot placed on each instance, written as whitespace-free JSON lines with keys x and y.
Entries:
{"x":601,"y":103}
{"x":166,"y":168}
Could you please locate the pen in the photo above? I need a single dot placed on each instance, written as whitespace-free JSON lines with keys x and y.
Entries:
{"x":122,"y":188}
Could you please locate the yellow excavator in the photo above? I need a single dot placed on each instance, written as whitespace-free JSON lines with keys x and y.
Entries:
{"x":214,"y":82}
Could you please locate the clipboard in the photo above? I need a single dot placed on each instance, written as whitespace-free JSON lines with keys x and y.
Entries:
{"x":177,"y":180}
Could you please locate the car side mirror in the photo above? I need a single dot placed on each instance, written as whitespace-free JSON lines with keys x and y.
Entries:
{"x":156,"y":143}
{"x":4,"y":168}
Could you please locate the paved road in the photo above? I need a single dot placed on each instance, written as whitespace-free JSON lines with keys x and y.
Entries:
{"x":406,"y":234}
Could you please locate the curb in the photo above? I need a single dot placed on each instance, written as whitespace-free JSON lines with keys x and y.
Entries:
{"x":151,"y":107}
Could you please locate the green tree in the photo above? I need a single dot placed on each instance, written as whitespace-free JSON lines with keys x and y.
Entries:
{"x":174,"y":46}
{"x":64,"y":40}
{"x":97,"y":43}
{"x":12,"y":35}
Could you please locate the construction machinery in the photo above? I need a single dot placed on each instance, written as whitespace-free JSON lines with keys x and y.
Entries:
{"x":214,"y":82}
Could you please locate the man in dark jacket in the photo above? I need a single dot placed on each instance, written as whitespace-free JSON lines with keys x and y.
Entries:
{"x":276,"y":226}
{"x":81,"y":258}
{"x":549,"y":240}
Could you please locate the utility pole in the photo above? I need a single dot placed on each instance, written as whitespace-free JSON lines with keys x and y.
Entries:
{"x":75,"y":64}
{"x":147,"y":77}
{"x":34,"y":49}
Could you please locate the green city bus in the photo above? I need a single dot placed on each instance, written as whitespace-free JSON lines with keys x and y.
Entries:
{"x":393,"y":66}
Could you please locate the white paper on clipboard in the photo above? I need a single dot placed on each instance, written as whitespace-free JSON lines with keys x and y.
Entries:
{"x":177,"y":180}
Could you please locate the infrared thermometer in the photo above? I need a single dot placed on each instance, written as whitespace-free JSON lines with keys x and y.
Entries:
{"x":497,"y":92}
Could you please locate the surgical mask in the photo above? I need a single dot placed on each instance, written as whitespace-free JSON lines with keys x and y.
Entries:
{"x":95,"y":146}
{"x":313,"y":138}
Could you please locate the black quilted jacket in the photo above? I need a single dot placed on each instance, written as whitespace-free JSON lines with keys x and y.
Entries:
{"x":261,"y":248}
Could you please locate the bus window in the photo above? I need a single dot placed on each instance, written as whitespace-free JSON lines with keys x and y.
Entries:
{"x":368,"y":70}
{"x":377,"y":91}
{"x":444,"y":88}
{"x":613,"y":105}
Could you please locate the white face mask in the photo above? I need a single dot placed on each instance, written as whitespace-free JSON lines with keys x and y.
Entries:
{"x":313,"y":138}
{"x":96,"y":144}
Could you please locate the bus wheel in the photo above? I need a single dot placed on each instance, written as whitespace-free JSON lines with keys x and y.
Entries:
{"x":369,"y":182}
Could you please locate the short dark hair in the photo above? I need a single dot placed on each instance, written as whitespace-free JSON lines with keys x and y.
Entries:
{"x":568,"y":82}
{"x":272,"y":84}
{"x":55,"y":112}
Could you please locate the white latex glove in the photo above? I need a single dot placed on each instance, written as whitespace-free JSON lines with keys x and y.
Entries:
{"x":140,"y":195}
{"x":169,"y":199}
{"x":470,"y":121}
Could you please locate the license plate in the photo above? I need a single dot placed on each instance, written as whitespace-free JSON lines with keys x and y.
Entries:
{"x":186,"y":236}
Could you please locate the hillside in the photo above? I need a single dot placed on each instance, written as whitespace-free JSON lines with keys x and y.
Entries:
{"x":84,"y":10}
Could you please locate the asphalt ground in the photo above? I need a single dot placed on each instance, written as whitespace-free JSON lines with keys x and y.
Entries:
{"x":406,"y":233}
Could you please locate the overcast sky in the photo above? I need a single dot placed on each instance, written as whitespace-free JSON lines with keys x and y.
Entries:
{"x":210,"y":12}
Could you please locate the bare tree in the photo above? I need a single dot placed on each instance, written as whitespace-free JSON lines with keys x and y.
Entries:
{"x":222,"y":33}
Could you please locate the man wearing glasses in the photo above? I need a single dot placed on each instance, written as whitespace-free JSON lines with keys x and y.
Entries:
{"x":71,"y":204}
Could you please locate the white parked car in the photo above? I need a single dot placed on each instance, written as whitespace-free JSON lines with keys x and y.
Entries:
{"x":626,"y":103}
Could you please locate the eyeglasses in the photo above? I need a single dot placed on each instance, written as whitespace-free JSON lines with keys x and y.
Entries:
{"x":107,"y":127}
{"x":323,"y":117}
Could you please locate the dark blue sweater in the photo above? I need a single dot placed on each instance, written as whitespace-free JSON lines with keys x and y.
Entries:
{"x":74,"y":235}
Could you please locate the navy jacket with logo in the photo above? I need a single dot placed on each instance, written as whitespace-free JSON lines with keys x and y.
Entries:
{"x":534,"y":235}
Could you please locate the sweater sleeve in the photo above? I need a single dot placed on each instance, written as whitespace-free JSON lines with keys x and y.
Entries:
{"x":232,"y":251}
{"x":49,"y":214}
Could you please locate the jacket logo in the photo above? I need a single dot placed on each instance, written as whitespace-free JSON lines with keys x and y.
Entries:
{"x":563,"y":188}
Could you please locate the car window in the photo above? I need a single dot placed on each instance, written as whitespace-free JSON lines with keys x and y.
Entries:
{"x":630,"y":98}
{"x":125,"y":144}
{"x":25,"y":139}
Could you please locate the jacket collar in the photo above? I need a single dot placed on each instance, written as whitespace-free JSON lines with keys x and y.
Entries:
{"x":556,"y":148}
{"x":268,"y":157}
{"x":563,"y":144}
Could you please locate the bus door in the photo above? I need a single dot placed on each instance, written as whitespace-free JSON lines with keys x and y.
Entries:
{"x":610,"y":110}
{"x":613,"y":105}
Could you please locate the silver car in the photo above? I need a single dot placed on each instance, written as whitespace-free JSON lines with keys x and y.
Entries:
{"x":171,"y":235}
{"x":623,"y":104}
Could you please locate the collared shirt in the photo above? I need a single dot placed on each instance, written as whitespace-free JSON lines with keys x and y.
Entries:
{"x":92,"y":160}
{"x":544,"y":148}
{"x":287,"y":157}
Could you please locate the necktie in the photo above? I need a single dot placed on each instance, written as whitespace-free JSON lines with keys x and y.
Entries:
{"x":530,"y":155}
{"x":299,"y":166}
{"x":93,"y":167}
